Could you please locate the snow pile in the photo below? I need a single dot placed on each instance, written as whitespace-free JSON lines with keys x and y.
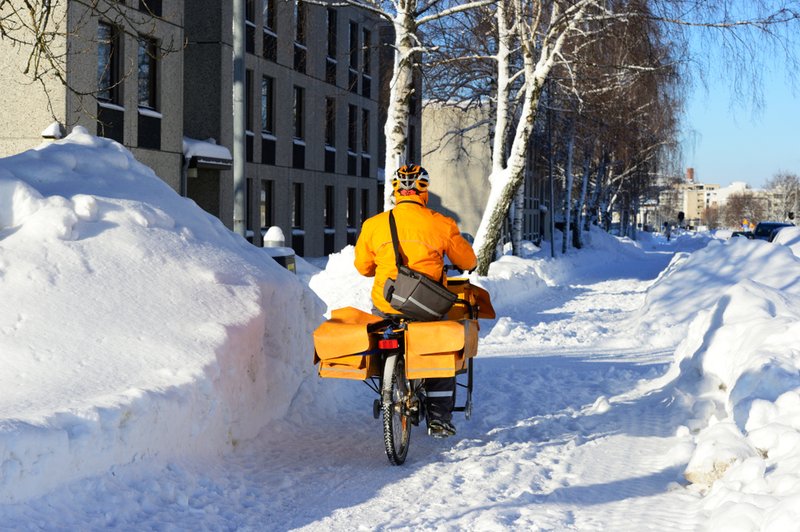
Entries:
{"x":694,"y":282}
{"x":739,"y":369}
{"x":789,"y":237}
{"x":133,"y":325}
{"x":340,"y":285}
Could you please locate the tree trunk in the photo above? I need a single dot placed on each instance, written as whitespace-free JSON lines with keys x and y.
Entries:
{"x":517,"y":218}
{"x":579,"y":208}
{"x":568,"y":179}
{"x":401,"y":88}
{"x":539,"y":55}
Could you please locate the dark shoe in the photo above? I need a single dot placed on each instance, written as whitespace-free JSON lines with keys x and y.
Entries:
{"x":439,"y":428}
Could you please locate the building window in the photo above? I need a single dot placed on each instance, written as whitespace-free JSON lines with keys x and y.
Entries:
{"x":300,"y":49}
{"x":365,"y":131}
{"x":298,"y":113}
{"x":330,"y":220}
{"x":352,"y":80}
{"x":330,"y":135}
{"x":352,"y":139}
{"x":250,"y":26}
{"x":364,"y":205}
{"x":301,"y":18}
{"x":270,"y":44}
{"x":366,"y":60}
{"x":268,"y":12}
{"x":332,"y":33}
{"x":366,"y":47}
{"x":108,"y":59}
{"x":265,"y":204}
{"x":330,"y":60}
{"x":248,"y":114}
{"x":297,"y":206}
{"x":354,"y":45}
{"x":268,"y":140}
{"x":298,"y":234}
{"x":300,"y":57}
{"x":352,"y":128}
{"x":149,"y":121}
{"x":330,"y":122}
{"x":148,"y":50}
{"x":153,"y":7}
{"x":352,"y":213}
{"x":298,"y":144}
{"x":267,"y":105}
{"x":365,"y":155}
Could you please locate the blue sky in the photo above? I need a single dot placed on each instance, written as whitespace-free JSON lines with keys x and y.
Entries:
{"x":727,"y":141}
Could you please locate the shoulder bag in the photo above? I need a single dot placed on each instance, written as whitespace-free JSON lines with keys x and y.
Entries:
{"x":413,"y":294}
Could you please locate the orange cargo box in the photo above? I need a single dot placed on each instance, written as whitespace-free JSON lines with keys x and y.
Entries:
{"x":439,"y":348}
{"x":343,"y":347}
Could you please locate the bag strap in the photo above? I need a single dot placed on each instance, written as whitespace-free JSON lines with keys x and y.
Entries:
{"x":395,"y":241}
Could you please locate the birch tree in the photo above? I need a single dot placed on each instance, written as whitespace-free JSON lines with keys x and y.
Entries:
{"x":540,"y":30}
{"x":407,"y":18}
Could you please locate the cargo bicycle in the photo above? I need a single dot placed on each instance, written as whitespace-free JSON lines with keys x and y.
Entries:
{"x":395,"y":355}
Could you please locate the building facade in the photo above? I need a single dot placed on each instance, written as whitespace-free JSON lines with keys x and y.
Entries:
{"x":459,"y":166}
{"x":311,"y":105}
{"x":154,"y":74}
{"x":116,"y":66}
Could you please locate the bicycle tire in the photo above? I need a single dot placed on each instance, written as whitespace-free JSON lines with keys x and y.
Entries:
{"x":396,"y":421}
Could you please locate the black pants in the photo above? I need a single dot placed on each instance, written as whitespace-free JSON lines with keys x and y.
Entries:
{"x":440,"y":398}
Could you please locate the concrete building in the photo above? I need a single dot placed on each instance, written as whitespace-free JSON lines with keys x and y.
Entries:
{"x":311,"y":117}
{"x":312,"y":92}
{"x":459,"y":166}
{"x":117,"y":67}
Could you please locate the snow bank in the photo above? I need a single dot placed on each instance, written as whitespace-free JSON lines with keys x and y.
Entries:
{"x":133,"y":325}
{"x":340,"y":285}
{"x":789,"y":237}
{"x":694,"y":282}
{"x":739,"y":367}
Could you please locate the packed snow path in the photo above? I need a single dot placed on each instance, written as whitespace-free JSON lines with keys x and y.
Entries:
{"x":569,"y":432}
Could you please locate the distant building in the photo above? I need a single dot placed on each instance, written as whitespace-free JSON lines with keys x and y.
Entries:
{"x":460,"y":165}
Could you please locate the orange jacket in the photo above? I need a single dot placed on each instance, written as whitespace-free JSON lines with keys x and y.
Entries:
{"x":425,"y":237}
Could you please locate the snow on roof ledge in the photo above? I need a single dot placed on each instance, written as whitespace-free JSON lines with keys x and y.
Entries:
{"x":205,"y":149}
{"x":53,"y":131}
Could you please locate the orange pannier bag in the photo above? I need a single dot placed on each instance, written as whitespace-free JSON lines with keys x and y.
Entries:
{"x":476,"y":296}
{"x":343,"y":347}
{"x":439,"y":348}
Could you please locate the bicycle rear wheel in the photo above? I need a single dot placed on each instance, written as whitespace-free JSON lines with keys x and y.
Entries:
{"x":395,"y":394}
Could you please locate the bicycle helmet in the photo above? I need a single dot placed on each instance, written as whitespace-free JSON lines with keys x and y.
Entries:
{"x":410,"y":177}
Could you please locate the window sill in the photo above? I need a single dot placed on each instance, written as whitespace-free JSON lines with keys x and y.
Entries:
{"x":152,"y":113}
{"x":110,"y":105}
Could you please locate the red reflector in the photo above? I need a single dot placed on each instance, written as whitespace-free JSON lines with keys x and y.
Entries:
{"x":388,"y":344}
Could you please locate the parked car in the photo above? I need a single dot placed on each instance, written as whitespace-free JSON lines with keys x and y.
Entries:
{"x":745,"y":234}
{"x":764,"y":230}
{"x":777,"y":230}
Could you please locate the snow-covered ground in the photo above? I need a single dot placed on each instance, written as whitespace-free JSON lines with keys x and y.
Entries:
{"x":157,"y":375}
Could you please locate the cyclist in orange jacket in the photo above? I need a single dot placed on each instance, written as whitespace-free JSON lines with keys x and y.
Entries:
{"x":425,"y":238}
